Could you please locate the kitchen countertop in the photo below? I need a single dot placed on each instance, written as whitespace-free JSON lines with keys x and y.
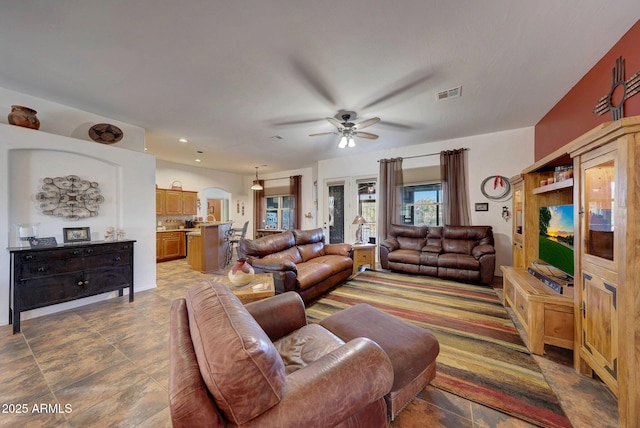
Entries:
{"x":195,"y":229}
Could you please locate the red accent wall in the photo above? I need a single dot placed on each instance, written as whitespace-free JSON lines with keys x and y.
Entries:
{"x":573,"y":115}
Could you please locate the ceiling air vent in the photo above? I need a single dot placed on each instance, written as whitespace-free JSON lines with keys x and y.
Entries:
{"x":449,"y":93}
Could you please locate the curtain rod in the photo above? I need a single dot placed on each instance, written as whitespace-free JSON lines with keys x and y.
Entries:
{"x":429,"y":154}
{"x":277,"y":178}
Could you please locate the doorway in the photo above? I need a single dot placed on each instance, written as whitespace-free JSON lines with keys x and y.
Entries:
{"x":214,"y":209}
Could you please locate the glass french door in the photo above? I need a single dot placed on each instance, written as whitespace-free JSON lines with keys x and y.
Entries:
{"x":334,"y":220}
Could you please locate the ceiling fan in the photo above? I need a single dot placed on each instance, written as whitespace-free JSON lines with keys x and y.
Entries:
{"x":348,"y":130}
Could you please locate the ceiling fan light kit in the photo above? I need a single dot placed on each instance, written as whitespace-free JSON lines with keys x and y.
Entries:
{"x":348,"y":130}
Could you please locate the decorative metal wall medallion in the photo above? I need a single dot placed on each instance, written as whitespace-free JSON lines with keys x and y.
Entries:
{"x":629,"y":88}
{"x":69,"y":197}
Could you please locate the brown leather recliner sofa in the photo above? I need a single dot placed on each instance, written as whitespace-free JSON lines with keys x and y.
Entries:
{"x":300,"y":261}
{"x":262,"y":365}
{"x":462,"y":253}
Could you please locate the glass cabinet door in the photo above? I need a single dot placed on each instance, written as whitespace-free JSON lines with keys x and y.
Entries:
{"x":599,"y":208}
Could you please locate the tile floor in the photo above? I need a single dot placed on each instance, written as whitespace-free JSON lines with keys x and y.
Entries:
{"x":107,"y":364}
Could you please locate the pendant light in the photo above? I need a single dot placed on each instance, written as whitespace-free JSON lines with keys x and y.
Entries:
{"x":256,"y":182}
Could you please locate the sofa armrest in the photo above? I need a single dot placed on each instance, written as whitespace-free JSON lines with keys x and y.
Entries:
{"x":391,"y":244}
{"x":481,"y":250}
{"x":274,"y":265}
{"x":338,"y":249}
{"x":279,"y":315}
{"x":332,"y":388}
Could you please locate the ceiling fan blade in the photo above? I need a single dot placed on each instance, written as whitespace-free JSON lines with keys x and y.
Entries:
{"x":323,"y":133}
{"x":407,"y":87}
{"x":366,"y":135}
{"x":367,"y":122}
{"x":335,"y":122}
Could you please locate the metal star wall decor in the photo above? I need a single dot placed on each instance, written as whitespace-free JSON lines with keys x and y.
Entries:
{"x":629,"y":88}
{"x":70,"y":197}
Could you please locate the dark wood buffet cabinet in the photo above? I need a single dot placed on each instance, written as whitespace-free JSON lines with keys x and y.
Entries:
{"x":51,"y":275}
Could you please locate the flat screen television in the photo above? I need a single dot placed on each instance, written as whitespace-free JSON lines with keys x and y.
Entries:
{"x":556,"y":237}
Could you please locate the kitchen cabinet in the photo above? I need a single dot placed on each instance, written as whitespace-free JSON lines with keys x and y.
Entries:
{"x":189,"y":203}
{"x":160,"y":201}
{"x":51,"y":275}
{"x":194,"y":253}
{"x":176,"y":202}
{"x":170,"y":245}
{"x":208,"y":249}
{"x":173,"y":202}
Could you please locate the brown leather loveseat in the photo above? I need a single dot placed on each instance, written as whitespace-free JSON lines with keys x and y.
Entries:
{"x":462,"y":253}
{"x":300,"y":261}
{"x":262,"y":365}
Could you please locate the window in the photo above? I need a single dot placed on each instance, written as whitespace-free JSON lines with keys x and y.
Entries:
{"x":280,"y":212}
{"x":422,"y":204}
{"x":367,"y":208}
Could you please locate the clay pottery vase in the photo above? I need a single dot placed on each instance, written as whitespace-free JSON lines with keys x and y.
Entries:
{"x":241,"y":273}
{"x":24,"y":116}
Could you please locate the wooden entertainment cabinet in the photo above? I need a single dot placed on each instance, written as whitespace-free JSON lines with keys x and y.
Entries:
{"x":546,"y":315}
{"x":50,"y":275}
{"x":606,"y":294}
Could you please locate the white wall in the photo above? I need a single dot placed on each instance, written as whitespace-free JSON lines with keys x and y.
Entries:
{"x":124,"y":173}
{"x":502,"y":153}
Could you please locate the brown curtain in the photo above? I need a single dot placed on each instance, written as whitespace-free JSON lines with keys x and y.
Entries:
{"x":389,"y":195}
{"x":258,"y":208}
{"x":455,"y":196}
{"x":295,"y":182}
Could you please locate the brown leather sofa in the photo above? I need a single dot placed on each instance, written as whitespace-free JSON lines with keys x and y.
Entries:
{"x":462,"y":253}
{"x":262,"y":365}
{"x":300,"y":261}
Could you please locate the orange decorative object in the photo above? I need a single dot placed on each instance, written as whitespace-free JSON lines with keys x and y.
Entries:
{"x":24,"y":116}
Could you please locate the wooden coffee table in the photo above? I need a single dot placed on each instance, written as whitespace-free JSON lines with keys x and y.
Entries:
{"x":260,"y":287}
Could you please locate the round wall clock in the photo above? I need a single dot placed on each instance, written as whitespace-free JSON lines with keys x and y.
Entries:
{"x":495,"y":187}
{"x":69,"y":197}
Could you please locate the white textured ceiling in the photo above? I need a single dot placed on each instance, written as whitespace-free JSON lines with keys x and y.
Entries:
{"x":231,"y":75}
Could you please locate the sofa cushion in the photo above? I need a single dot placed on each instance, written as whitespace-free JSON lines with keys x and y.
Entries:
{"x":396,"y":230}
{"x":411,"y":243}
{"x":405,"y":256}
{"x":458,"y":261}
{"x":267,"y":244}
{"x":238,"y":362}
{"x":336,"y":262}
{"x":311,"y":251}
{"x":305,"y":345}
{"x":308,"y":236}
{"x":311,"y":273}
{"x":432,"y":249}
{"x":462,"y":239}
{"x":290,"y":254}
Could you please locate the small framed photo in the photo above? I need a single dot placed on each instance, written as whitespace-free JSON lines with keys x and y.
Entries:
{"x":76,"y":234}
{"x":482,"y":206}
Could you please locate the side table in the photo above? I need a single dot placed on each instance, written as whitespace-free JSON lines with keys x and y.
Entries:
{"x":260,"y":287}
{"x":363,"y":254}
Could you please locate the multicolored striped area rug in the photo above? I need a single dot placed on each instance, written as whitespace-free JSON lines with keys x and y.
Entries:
{"x":482,"y":357}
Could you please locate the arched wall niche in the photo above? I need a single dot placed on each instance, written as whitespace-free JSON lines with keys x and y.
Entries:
{"x":28,"y":168}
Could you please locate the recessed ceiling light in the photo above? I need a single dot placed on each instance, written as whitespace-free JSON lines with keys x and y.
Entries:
{"x":183,"y":140}
{"x":199,"y":151}
{"x":198,"y":160}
